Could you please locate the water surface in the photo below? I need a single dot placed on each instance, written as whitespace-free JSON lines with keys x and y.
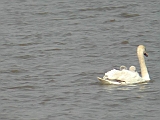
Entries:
{"x":52,"y":51}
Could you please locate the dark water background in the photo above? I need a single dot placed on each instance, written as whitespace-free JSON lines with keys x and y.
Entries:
{"x":52,"y":51}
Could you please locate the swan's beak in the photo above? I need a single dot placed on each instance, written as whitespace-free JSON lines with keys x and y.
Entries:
{"x":145,"y":54}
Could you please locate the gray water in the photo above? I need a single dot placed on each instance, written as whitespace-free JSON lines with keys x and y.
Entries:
{"x":51,"y":52}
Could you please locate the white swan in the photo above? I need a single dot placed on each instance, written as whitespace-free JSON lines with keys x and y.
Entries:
{"x":128,"y":76}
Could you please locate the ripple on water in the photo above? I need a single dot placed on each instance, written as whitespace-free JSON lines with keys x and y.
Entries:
{"x":51,"y":53}
{"x":128,"y":15}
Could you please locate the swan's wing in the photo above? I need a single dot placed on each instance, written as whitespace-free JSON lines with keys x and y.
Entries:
{"x":112,"y":75}
{"x":126,"y":76}
{"x":108,"y":82}
{"x":129,"y":76}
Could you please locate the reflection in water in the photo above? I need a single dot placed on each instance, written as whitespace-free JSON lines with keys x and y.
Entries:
{"x":139,"y":87}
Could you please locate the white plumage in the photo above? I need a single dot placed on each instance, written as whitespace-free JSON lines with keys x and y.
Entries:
{"x":124,"y":76}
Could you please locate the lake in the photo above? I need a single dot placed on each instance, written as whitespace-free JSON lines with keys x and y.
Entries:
{"x":51,"y":53}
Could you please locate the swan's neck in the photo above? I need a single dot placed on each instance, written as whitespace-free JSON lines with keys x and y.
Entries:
{"x":144,"y":71}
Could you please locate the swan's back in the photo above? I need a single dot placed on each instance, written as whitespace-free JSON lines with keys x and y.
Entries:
{"x":127,"y":76}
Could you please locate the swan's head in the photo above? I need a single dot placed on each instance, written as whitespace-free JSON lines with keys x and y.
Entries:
{"x":123,"y":67}
{"x":142,"y":49}
{"x":132,"y":68}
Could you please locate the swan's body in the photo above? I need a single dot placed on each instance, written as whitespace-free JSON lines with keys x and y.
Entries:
{"x":124,"y":76}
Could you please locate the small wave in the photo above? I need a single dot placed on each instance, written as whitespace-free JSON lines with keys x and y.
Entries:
{"x":128,"y":15}
{"x":102,"y":8}
{"x":25,"y":44}
{"x":124,"y":42}
{"x":54,"y":49}
{"x":22,"y":87}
